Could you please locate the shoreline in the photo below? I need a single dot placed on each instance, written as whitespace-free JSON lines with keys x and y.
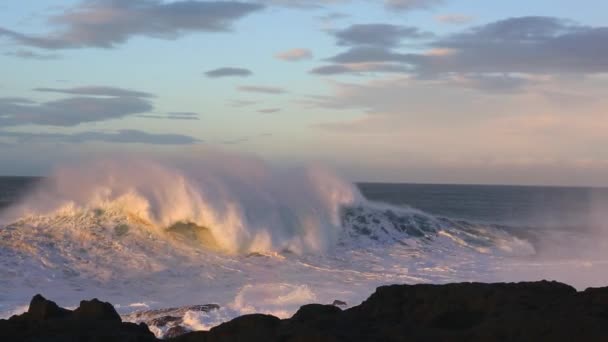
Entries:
{"x":526,"y":311}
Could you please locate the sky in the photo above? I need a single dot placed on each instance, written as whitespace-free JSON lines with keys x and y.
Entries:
{"x":426,"y":91}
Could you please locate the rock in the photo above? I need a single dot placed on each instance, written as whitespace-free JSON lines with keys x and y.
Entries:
{"x":96,"y":310}
{"x":315,"y":312}
{"x":91,"y":321}
{"x":41,"y":309}
{"x":339,"y":303}
{"x":537,"y":311}
{"x":250,"y":328}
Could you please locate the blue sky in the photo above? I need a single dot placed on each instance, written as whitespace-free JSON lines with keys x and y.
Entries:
{"x":466,"y":91}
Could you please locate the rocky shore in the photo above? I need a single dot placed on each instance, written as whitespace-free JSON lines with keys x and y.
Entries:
{"x":534,"y":311}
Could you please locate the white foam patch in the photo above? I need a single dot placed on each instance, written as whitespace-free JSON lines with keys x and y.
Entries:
{"x":279,"y":300}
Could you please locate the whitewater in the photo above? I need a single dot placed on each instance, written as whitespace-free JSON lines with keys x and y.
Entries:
{"x":245,"y":235}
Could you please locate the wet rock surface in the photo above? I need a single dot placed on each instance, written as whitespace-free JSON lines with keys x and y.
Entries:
{"x":535,"y":311}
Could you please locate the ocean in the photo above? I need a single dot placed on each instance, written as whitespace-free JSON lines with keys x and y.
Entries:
{"x":256,"y":239}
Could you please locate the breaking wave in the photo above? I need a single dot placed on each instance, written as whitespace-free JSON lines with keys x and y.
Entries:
{"x":237,"y":208}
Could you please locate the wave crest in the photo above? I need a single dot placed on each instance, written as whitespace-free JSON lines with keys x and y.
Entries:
{"x":246,"y":206}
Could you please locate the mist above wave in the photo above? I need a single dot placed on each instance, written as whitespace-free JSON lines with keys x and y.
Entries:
{"x":245,"y":205}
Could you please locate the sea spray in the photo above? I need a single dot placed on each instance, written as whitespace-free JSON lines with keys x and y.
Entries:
{"x":249,"y":209}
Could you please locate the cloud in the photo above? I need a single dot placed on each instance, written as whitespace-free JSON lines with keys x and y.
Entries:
{"x":262,"y":90}
{"x":501,"y":83}
{"x":183,"y":114}
{"x":301,"y":4}
{"x":172,"y":116}
{"x":28,"y":54}
{"x":235,"y":141}
{"x":332,"y":16}
{"x":97,"y":91}
{"x":360,"y":68}
{"x":399,"y":5}
{"x":454,"y":19}
{"x":269,"y":110}
{"x":242,"y":140}
{"x":293,"y":55}
{"x":371,"y":54}
{"x":106,"y":23}
{"x":525,"y":45}
{"x":70,"y":111}
{"x":382,"y":35}
{"x":227,"y":72}
{"x":409,"y":5}
{"x":127,"y":136}
{"x":241,"y":103}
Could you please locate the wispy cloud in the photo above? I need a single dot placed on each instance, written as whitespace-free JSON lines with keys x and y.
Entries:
{"x":383,"y":35}
{"x":269,"y":110}
{"x":241,"y":103}
{"x":106,"y":23}
{"x":29,"y":54}
{"x":228,"y":71}
{"x":359,"y":68}
{"x":329,"y":18}
{"x":172,"y":116}
{"x":455,"y":19}
{"x":409,"y":5}
{"x":393,"y":5}
{"x":98,"y":91}
{"x":127,"y":136}
{"x":243,"y":140}
{"x":262,"y":90}
{"x":293,"y":55}
{"x":235,"y":141}
{"x":70,"y":111}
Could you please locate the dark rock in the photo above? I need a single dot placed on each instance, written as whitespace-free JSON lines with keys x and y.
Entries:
{"x":41,"y":309}
{"x":538,"y":311}
{"x":339,"y":303}
{"x":315,"y":311}
{"x":254,"y":327}
{"x":96,"y":310}
{"x":92,"y":321}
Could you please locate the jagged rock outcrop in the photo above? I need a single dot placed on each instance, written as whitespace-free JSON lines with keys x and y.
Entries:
{"x":536,"y":311}
{"x":91,"y":321}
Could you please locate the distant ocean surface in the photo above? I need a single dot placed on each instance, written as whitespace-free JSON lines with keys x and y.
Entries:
{"x":540,"y":206}
{"x":253,"y":239}
{"x":12,"y":188}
